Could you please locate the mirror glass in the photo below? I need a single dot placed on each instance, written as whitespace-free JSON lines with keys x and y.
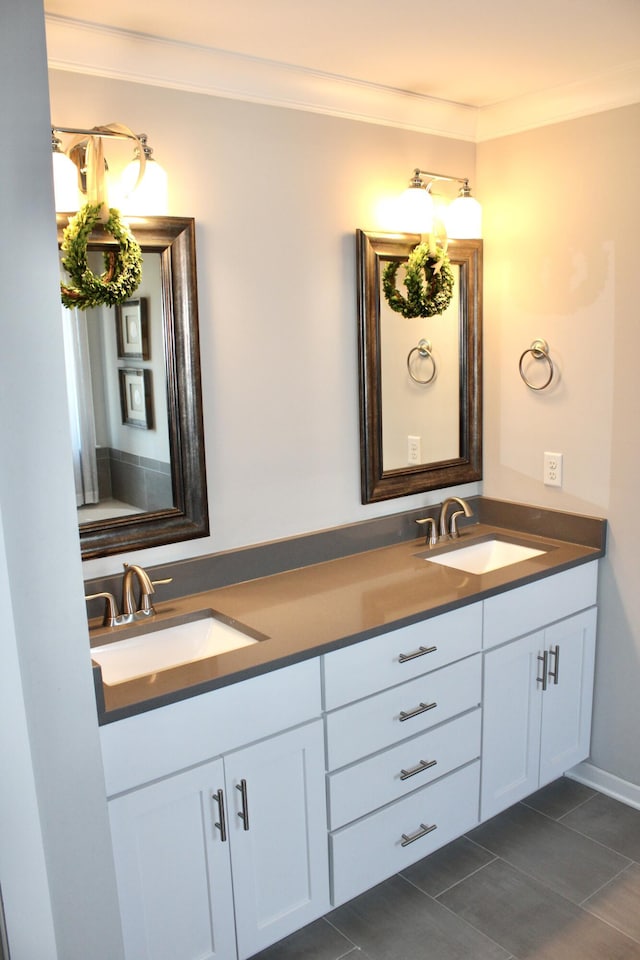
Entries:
{"x":133,"y":375}
{"x":420,"y":378}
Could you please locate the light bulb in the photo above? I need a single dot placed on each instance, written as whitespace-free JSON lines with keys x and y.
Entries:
{"x":150,"y":197}
{"x":464,"y":218}
{"x":415,"y":211}
{"x":65,"y":183}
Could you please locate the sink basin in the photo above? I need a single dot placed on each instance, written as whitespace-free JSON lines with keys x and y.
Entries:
{"x":150,"y":650}
{"x":485,"y":556}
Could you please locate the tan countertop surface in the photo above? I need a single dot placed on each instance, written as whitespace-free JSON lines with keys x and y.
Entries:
{"x":314,"y":609}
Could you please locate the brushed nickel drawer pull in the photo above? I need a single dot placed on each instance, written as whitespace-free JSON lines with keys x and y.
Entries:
{"x":244,"y":813}
{"x":423,"y":765}
{"x":555,"y":653}
{"x":544,"y":660}
{"x":408,"y":715}
{"x":422,"y":832}
{"x":221,"y":825}
{"x":420,"y":652}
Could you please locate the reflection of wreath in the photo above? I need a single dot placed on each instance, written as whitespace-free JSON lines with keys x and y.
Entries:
{"x":429,"y":282}
{"x":123,"y":269}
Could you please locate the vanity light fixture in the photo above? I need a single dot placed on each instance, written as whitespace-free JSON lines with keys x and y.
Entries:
{"x":143,"y":189}
{"x":462,"y":218}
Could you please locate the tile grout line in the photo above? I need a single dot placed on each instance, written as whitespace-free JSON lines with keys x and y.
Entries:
{"x":554,"y":893}
{"x":610,"y":923}
{"x":606,"y":884}
{"x":434,"y":896}
{"x":600,"y":843}
{"x":463,"y":920}
{"x":355,"y":946}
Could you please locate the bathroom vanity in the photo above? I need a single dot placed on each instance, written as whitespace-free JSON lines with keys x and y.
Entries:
{"x":396,"y":703}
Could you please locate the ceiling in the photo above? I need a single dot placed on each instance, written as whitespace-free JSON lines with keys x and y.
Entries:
{"x":492,"y":53}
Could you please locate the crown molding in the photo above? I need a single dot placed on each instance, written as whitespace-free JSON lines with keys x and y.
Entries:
{"x":605,"y":91}
{"x":106,"y":52}
{"x":80,"y":47}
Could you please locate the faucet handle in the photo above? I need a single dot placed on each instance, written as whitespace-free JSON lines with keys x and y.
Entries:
{"x":454,"y":533}
{"x":146,"y":605}
{"x":110,"y":610}
{"x":453,"y":524}
{"x":432,"y":536}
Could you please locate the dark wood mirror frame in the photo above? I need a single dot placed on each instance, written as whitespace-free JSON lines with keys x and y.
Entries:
{"x":174,"y":239}
{"x":377,"y":483}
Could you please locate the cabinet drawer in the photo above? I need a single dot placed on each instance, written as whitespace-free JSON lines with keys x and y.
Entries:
{"x":381,"y":844}
{"x":535,"y":605}
{"x":158,"y":743}
{"x":364,"y":786}
{"x":380,"y":662}
{"x":370,"y":725}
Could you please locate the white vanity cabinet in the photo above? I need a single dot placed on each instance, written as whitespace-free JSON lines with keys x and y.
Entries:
{"x":223,"y":858}
{"x":174,"y":874}
{"x":538,"y":688}
{"x":403,"y":740}
{"x":220,"y":803}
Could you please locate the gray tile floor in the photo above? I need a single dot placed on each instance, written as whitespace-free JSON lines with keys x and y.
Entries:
{"x":556,"y":877}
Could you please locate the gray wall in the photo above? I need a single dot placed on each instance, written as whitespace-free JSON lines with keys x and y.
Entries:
{"x":56,"y":871}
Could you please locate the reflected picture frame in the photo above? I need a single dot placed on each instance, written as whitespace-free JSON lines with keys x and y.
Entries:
{"x":136,"y":398}
{"x":132,"y":330}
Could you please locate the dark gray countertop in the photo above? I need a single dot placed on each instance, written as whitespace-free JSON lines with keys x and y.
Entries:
{"x":324,"y":606}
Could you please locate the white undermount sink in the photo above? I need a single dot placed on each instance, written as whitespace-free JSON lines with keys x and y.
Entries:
{"x":485,"y":556}
{"x":154,"y":650}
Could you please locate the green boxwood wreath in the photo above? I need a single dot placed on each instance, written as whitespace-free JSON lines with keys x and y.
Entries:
{"x":123,"y":268}
{"x":429,"y":281}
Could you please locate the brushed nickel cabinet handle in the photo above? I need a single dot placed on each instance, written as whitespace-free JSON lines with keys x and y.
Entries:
{"x":555,"y":653}
{"x":422,"y":832}
{"x":423,"y":765}
{"x":420,"y":652}
{"x":409,"y":714}
{"x":221,"y":825}
{"x":544,"y":660}
{"x":244,"y":813}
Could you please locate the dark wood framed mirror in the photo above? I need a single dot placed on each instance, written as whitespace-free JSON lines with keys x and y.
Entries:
{"x":140,"y":475}
{"x":420,"y":378}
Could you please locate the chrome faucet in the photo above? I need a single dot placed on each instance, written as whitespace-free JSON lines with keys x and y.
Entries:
{"x":147,"y":589}
{"x":465,"y":510}
{"x":130,"y":611}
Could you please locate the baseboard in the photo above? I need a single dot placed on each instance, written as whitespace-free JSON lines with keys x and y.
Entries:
{"x":607,"y":783}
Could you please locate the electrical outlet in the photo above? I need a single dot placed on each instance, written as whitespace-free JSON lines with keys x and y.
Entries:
{"x":553,"y":469}
{"x":413,"y":450}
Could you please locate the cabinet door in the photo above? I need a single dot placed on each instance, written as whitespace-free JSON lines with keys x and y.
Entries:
{"x":567,"y":701}
{"x":173,"y":872}
{"x":278,"y":833}
{"x":512,"y":713}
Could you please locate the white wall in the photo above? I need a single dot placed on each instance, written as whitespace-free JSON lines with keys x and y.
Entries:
{"x":277,"y":196}
{"x":23,"y":873}
{"x":53,"y":798}
{"x":561,"y":209}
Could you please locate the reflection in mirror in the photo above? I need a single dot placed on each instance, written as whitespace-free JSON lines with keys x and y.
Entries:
{"x":420,"y":378}
{"x":420,"y":383}
{"x":133,"y":375}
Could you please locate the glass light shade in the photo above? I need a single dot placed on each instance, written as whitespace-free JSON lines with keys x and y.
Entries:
{"x":415,"y":211}
{"x":150,"y":197}
{"x":65,"y":183}
{"x":464,"y":219}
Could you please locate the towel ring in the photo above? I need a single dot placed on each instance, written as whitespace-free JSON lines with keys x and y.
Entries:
{"x":539,"y":350}
{"x":424,"y":349}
